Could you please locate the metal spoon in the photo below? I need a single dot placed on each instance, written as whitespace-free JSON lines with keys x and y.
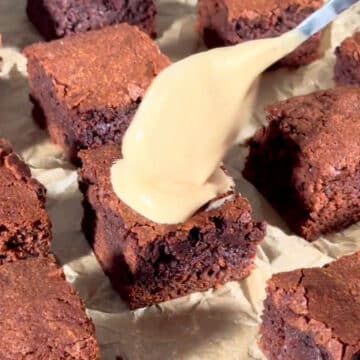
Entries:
{"x":324,"y":16}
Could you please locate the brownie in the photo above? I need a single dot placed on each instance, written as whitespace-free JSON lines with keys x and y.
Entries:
{"x":347,"y":68}
{"x":313,"y":314}
{"x":41,"y":316}
{"x":306,"y":162}
{"x":147,"y":262}
{"x":25,"y":228}
{"x":229,"y":22}
{"x":87,"y":87}
{"x":56,"y":19}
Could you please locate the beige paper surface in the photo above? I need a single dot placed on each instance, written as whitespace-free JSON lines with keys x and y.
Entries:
{"x":219,"y":324}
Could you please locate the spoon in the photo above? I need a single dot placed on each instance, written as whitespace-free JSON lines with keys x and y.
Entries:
{"x":324,"y":16}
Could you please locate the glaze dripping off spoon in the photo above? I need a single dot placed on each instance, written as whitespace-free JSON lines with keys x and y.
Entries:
{"x":191,"y":116}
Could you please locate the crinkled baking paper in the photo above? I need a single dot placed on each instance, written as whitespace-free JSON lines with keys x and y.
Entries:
{"x":217,"y":324}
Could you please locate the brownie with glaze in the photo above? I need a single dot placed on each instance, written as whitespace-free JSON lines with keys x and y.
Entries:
{"x":229,"y":22}
{"x":87,"y":87}
{"x":147,"y":262}
{"x":56,"y":19}
{"x":347,"y":68}
{"x":41,"y":316}
{"x":25,"y":228}
{"x":313,"y":314}
{"x":306,"y":162}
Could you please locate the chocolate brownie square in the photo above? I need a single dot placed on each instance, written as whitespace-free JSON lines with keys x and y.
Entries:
{"x":229,"y":22}
{"x":41,"y":316}
{"x":313,"y":314}
{"x":56,"y":19}
{"x":87,"y":87}
{"x":25,"y":228}
{"x":347,"y":68}
{"x":306,"y":162}
{"x":147,"y":262}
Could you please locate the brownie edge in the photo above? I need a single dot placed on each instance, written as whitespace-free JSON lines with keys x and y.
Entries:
{"x":57,"y":19}
{"x":25,"y":228}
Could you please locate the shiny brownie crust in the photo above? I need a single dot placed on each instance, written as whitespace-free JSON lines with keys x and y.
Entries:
{"x":306,"y":162}
{"x":312,"y":314}
{"x":42,"y":317}
{"x":87,"y":87}
{"x":148,"y":263}
{"x":229,"y":22}
{"x":56,"y":19}
{"x":25,"y":228}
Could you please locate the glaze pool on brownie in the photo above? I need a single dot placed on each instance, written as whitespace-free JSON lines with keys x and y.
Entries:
{"x":56,"y":19}
{"x":347,"y":68}
{"x":306,"y":162}
{"x":147,"y":262}
{"x":87,"y":87}
{"x":229,"y":22}
{"x":25,"y":228}
{"x":42,"y":317}
{"x":313,"y":314}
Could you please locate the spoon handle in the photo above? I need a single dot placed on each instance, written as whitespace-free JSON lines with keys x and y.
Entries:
{"x":325,"y":15}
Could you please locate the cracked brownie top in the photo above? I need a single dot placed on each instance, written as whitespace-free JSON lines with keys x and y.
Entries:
{"x":253,"y":8}
{"x":323,"y":301}
{"x":325,"y":126}
{"x":111,"y":67}
{"x":41,"y":315}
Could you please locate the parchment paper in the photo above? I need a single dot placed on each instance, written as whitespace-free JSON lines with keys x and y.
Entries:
{"x":219,"y":324}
